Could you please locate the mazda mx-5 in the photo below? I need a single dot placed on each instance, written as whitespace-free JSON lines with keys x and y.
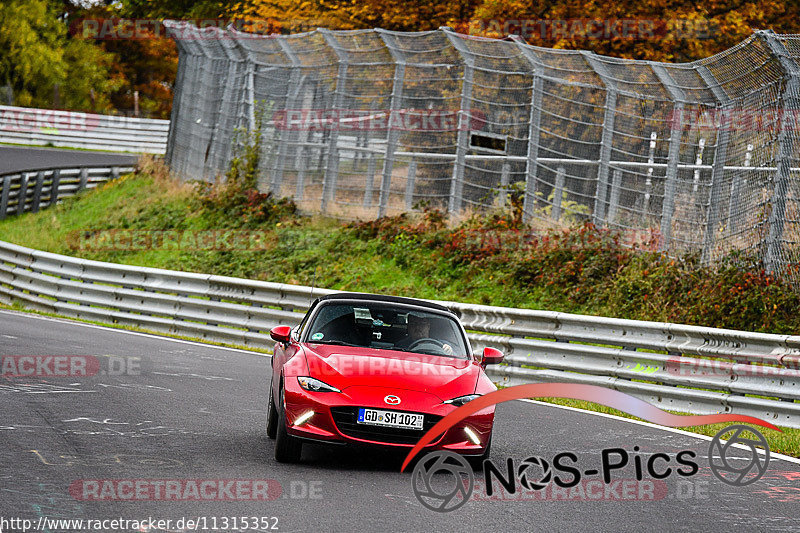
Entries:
{"x":372,"y":370}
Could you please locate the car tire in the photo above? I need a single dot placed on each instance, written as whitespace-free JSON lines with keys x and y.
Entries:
{"x":272,"y":414}
{"x":287,"y":447}
{"x":476,"y":461}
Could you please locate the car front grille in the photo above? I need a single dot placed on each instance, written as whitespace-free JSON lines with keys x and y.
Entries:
{"x":345,"y":419}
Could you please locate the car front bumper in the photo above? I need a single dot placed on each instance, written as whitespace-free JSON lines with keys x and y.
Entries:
{"x":329,"y":417}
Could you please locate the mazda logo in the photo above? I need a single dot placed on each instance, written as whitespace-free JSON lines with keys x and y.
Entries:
{"x":392,"y":400}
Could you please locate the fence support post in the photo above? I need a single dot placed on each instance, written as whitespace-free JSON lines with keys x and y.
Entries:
{"x":648,"y":183}
{"x":392,"y":134}
{"x":505,"y":177}
{"x":558,"y":193}
{"x":412,"y":174}
{"x":701,"y":145}
{"x":607,"y":139}
{"x":718,"y":167}
{"x":292,"y":93}
{"x":534,"y":130}
{"x":332,"y":167}
{"x":368,"y":186}
{"x":616,"y":184}
{"x":789,"y":128}
{"x":673,"y":157}
{"x":738,"y":184}
{"x":464,"y":119}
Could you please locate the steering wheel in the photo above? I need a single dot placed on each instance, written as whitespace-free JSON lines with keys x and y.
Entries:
{"x":426,"y":340}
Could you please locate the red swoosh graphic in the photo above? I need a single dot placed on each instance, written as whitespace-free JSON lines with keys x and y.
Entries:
{"x":590,"y":393}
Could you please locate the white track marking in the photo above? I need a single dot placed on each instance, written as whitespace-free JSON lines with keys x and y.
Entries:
{"x":77,"y":322}
{"x":772,"y":454}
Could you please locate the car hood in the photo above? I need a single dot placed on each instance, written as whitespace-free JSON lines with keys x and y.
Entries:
{"x":345,"y":366}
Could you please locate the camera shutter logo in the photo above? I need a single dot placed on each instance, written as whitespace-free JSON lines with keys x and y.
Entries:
{"x":442,"y":496}
{"x":731,"y":468}
{"x":526,"y":470}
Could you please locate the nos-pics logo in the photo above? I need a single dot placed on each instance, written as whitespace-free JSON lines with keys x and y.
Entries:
{"x":444,"y":481}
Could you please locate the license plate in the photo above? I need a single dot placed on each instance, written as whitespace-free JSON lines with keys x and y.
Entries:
{"x":376,"y":417}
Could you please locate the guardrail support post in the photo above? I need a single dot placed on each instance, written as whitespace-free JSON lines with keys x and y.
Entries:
{"x":37,"y":191}
{"x":22,"y":194}
{"x":4,"y":196}
{"x":84,"y":179}
{"x":54,"y":185}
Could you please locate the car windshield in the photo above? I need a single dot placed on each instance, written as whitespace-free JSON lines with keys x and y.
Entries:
{"x":388,"y":327}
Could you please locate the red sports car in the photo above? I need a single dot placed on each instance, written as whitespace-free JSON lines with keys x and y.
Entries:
{"x":362,"y":369}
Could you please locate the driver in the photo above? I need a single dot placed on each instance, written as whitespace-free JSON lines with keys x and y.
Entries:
{"x":419,"y":327}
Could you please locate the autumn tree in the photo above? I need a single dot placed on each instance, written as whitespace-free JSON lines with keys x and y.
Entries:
{"x":666,"y":30}
{"x":42,"y":64}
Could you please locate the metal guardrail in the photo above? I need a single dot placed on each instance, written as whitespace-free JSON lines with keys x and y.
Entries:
{"x":69,"y":129}
{"x":686,"y":368}
{"x":31,"y":190}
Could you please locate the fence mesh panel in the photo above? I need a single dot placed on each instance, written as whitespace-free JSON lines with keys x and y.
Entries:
{"x":366,"y":123}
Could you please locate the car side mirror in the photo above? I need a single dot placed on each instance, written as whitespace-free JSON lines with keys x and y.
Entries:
{"x":281,"y":333}
{"x":491,"y":356}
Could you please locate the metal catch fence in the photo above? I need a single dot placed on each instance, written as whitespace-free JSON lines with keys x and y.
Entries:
{"x":368,"y":123}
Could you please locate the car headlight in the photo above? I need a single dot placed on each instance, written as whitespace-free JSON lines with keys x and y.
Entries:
{"x":315,"y":385}
{"x":461,"y":400}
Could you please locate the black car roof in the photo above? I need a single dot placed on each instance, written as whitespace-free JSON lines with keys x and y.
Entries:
{"x":382,"y":298}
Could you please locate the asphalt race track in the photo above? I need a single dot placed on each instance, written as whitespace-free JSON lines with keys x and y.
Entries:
{"x":22,"y":158}
{"x":190,"y":411}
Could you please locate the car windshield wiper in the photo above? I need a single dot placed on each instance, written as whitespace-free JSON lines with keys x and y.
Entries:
{"x":338,"y":343}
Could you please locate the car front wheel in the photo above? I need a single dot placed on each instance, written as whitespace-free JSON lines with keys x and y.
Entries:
{"x":287,"y":447}
{"x":272,"y":414}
